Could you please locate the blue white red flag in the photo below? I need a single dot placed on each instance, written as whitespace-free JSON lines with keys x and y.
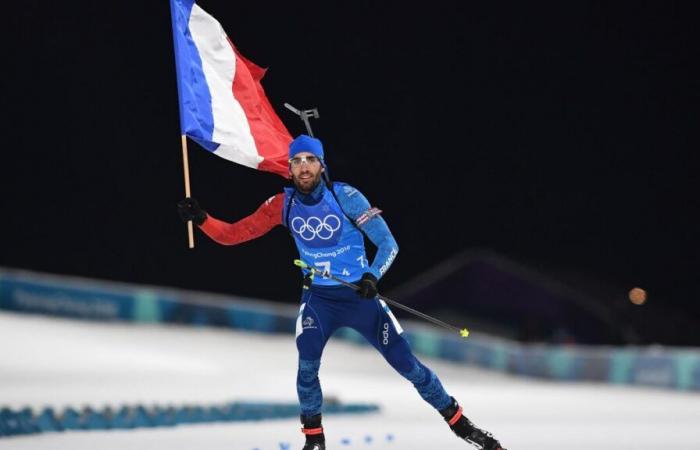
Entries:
{"x":223,"y":106}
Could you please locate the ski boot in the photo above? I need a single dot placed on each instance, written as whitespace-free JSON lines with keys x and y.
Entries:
{"x":315,"y":440}
{"x":465,"y":429}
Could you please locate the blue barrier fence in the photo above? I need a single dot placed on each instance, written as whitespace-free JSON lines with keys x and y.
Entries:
{"x":88,"y":299}
{"x":27,"y":421}
{"x":22,"y":291}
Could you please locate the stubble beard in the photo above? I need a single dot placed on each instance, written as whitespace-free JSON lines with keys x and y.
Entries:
{"x":307,"y":186}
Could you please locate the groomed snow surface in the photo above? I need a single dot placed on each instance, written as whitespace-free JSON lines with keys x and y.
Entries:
{"x":55,"y":362}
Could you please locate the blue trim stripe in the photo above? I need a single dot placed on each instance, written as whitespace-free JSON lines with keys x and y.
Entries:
{"x":196,"y":116}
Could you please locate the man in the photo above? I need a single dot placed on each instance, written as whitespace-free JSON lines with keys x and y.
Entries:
{"x":327,"y":221}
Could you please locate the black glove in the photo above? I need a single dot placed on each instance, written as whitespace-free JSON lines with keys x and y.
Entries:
{"x":368,"y":286}
{"x":189,"y":210}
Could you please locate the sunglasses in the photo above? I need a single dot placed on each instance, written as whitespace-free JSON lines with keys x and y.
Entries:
{"x":299,"y":160}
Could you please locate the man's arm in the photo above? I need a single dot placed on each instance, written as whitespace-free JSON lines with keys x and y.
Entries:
{"x":265,"y":218}
{"x":372,"y":224}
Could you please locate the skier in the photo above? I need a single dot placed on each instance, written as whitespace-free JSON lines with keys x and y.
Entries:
{"x":327,"y":221}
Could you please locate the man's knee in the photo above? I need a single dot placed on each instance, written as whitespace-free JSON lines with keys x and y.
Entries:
{"x":308,"y":370}
{"x":416,"y":373}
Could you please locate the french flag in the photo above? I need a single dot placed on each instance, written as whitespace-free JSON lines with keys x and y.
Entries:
{"x":223,"y":106}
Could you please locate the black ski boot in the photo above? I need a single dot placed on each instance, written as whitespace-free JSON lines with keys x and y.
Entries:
{"x":315,"y":440}
{"x":465,"y":429}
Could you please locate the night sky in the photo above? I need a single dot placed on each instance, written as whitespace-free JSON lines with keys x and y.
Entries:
{"x":557,"y":134}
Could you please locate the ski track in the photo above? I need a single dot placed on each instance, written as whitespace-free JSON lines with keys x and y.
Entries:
{"x":56,"y":362}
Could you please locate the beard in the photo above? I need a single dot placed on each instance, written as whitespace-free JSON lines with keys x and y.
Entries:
{"x":308,"y":185}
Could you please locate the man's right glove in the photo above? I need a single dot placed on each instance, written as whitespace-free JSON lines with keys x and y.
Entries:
{"x":368,"y":285}
{"x":189,"y":210}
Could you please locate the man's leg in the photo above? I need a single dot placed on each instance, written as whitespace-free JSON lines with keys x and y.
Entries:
{"x":382,"y":330}
{"x":313,"y":328}
{"x":384,"y":333}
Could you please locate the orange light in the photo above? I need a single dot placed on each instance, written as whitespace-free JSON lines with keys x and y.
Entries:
{"x":638,"y":296}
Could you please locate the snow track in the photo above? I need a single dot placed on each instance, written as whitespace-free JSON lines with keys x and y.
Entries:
{"x":55,"y":362}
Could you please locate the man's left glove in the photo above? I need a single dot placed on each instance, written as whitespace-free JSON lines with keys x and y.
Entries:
{"x":368,"y":285}
{"x":189,"y":209}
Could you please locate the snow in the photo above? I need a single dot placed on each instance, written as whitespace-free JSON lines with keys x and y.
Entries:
{"x":47,"y":361}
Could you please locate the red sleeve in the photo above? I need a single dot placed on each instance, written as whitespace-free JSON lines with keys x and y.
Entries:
{"x":267,"y":216}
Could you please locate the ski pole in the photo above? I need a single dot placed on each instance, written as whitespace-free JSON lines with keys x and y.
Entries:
{"x":462,"y":332}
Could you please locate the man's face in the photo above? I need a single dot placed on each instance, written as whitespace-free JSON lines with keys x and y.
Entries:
{"x":305,"y":169}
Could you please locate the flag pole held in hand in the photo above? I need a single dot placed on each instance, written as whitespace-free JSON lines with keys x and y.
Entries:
{"x":186,"y":168}
{"x":463,"y":332}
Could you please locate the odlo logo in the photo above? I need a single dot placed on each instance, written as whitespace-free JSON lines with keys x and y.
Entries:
{"x":385,"y":334}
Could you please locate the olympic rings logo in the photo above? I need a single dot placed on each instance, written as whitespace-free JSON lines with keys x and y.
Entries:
{"x":314,"y":227}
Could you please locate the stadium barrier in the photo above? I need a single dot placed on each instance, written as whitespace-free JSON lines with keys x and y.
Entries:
{"x":656,"y":366}
{"x":81,"y":298}
{"x":27,"y":421}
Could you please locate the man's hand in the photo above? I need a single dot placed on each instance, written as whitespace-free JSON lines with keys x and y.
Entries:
{"x":368,"y":286}
{"x":189,"y":210}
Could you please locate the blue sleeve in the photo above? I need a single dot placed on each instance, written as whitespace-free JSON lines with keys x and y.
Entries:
{"x":356,"y":206}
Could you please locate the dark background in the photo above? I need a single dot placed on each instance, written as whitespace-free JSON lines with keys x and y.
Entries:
{"x":558,"y":134}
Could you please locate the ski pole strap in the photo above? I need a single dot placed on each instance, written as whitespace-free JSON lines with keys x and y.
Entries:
{"x":312,"y":431}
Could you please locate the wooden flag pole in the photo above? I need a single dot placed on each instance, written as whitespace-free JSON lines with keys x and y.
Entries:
{"x":186,"y":168}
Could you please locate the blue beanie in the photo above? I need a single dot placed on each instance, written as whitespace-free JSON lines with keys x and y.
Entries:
{"x":304,"y":143}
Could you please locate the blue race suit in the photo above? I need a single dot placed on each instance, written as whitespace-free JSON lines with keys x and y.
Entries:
{"x":327,"y":234}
